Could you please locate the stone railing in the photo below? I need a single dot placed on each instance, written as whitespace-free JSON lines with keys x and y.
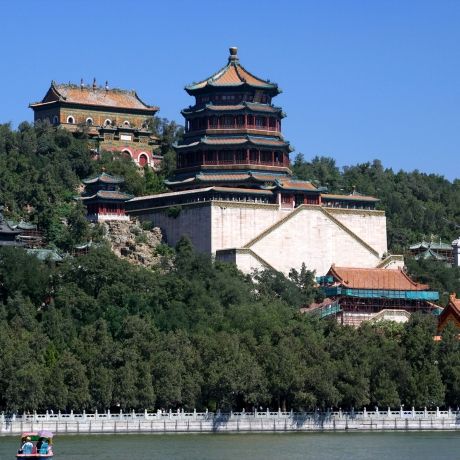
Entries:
{"x":180,"y":421}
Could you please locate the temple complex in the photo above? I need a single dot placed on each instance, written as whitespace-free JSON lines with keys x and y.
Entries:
{"x":115,"y":120}
{"x":233,"y":193}
{"x":354,"y":295}
{"x":103,"y":198}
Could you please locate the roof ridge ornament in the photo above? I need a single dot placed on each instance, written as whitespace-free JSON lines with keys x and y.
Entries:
{"x":233,"y":58}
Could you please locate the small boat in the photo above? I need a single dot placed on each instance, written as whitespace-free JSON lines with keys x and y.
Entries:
{"x":37,"y":445}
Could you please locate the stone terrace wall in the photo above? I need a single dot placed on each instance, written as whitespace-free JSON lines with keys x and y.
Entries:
{"x":206,"y":422}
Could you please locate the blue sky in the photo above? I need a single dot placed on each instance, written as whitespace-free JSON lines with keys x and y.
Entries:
{"x":360,"y":79}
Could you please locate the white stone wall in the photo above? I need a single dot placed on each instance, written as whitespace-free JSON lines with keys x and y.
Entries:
{"x":370,"y":226}
{"x":235,"y":224}
{"x":193,"y":221}
{"x":283,"y":239}
{"x":311,"y":237}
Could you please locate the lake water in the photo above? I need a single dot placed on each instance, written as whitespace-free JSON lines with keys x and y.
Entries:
{"x":264,"y":446}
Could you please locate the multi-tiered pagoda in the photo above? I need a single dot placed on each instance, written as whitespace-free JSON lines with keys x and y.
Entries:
{"x":233,"y":137}
{"x":233,"y":193}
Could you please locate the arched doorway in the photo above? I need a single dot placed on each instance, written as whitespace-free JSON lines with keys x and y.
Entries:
{"x":143,"y":160}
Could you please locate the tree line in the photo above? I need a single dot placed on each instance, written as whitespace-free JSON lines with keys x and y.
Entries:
{"x":95,"y":332}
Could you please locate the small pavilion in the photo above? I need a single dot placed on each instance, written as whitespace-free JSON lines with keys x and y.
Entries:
{"x":103,"y":199}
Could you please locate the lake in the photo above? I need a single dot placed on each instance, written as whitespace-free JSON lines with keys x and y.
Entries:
{"x":263,"y":446}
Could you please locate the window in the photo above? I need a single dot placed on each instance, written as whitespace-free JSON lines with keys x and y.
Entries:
{"x":55,"y":120}
{"x":70,"y":120}
{"x":260,"y":122}
{"x":107,"y":122}
{"x":126,"y":153}
{"x":89,"y":121}
{"x":126,"y":123}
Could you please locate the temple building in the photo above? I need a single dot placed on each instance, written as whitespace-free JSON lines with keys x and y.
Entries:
{"x":21,"y":233}
{"x":450,"y":314}
{"x":233,"y":193}
{"x":432,"y":250}
{"x":103,"y":198}
{"x":115,"y":120}
{"x":354,"y":295}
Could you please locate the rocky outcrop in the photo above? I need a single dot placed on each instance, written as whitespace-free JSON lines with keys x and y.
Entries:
{"x":130,"y":241}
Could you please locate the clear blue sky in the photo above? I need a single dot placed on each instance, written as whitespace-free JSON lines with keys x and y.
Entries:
{"x":360,"y":79}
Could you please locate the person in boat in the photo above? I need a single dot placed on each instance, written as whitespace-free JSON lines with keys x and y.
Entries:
{"x":27,"y":447}
{"x":43,"y":447}
{"x":40,"y":443}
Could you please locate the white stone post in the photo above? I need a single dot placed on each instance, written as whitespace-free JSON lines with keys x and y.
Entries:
{"x":413,"y":412}
{"x":389,"y":412}
{"x":108,"y":414}
{"x":425,"y":412}
{"x":145,"y":414}
{"x":84,"y":415}
{"x":437,"y":412}
{"x":95,"y":414}
{"x":364,"y":413}
{"x":2,"y":418}
{"x":71,"y":414}
{"x":47,"y":417}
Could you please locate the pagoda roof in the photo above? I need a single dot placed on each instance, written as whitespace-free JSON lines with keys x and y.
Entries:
{"x":108,"y":195}
{"x":430,"y":254}
{"x":237,"y":140}
{"x":375,"y":278}
{"x":7,"y":227}
{"x":202,"y":190}
{"x":103,"y":178}
{"x":233,"y":75}
{"x":228,"y":176}
{"x":292,"y":184}
{"x":352,"y":197}
{"x":94,"y":96}
{"x":45,"y":254}
{"x":431,"y":245}
{"x":250,"y":106}
{"x":453,"y":307}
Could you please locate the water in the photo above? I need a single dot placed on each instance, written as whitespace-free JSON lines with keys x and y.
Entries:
{"x":264,"y":446}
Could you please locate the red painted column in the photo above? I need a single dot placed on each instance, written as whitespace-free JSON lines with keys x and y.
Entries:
{"x":247,"y":156}
{"x":273,"y":158}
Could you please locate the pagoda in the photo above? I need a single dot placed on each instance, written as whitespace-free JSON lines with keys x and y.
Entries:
{"x":103,"y":198}
{"x":233,"y":137}
{"x":233,"y":193}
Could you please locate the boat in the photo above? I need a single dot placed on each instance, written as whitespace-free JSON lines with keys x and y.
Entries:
{"x":37,"y":445}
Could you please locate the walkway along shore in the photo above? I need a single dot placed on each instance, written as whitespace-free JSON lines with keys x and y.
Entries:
{"x":232,"y":422}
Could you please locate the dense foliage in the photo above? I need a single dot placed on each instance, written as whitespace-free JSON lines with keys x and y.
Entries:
{"x":96,"y":332}
{"x":41,"y":168}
